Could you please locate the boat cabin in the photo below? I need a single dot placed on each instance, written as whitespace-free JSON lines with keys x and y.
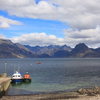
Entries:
{"x":16,"y":75}
{"x":27,"y":76}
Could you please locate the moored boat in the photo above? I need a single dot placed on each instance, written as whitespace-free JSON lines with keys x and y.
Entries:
{"x":38,"y":62}
{"x":17,"y":77}
{"x":27,"y":77}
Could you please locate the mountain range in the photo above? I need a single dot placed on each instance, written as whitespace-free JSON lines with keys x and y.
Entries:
{"x":8,"y":49}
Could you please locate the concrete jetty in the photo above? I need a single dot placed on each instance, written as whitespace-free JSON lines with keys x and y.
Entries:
{"x":4,"y":83}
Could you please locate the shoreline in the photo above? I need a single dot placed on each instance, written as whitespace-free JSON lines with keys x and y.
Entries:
{"x":17,"y":92}
{"x":41,"y":97}
{"x":81,"y":94}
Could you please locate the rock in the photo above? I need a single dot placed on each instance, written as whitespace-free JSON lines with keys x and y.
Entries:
{"x":82,"y":91}
{"x":90,"y":91}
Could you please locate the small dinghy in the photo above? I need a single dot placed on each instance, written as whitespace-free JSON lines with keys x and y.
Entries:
{"x":27,"y":77}
{"x":38,"y":62}
{"x":17,"y":78}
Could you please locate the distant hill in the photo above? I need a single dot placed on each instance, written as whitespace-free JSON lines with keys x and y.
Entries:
{"x":81,"y":50}
{"x":8,"y":49}
{"x":49,"y":51}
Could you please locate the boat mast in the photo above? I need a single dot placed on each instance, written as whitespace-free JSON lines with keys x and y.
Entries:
{"x":14,"y":69}
{"x":5,"y":67}
{"x":18,"y":68}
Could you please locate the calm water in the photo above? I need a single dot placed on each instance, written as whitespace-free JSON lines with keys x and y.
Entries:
{"x":55,"y":74}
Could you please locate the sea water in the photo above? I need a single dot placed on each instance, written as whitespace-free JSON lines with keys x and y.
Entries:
{"x":54,"y":74}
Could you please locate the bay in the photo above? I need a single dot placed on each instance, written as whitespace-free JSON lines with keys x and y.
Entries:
{"x":55,"y":74}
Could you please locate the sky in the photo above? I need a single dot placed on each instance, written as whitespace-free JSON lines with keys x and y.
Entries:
{"x":51,"y":22}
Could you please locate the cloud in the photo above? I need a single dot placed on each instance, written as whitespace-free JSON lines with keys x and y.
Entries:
{"x":34,"y":39}
{"x":27,"y":8}
{"x":6,"y":23}
{"x":89,"y":36}
{"x":2,"y":36}
{"x":81,"y":14}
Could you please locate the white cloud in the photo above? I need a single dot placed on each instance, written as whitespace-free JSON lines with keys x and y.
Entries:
{"x":89,"y":36}
{"x":6,"y":23}
{"x":34,"y":39}
{"x":2,"y":36}
{"x":81,"y":14}
{"x":27,"y":8}
{"x":15,"y":3}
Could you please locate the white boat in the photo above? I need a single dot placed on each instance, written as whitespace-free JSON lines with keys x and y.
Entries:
{"x":17,"y":77}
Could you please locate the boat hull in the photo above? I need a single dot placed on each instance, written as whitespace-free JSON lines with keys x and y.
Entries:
{"x":16,"y":80}
{"x":27,"y":80}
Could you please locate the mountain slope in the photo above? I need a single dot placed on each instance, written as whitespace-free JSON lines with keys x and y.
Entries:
{"x":10,"y":50}
{"x":61,"y":54}
{"x":82,"y":50}
{"x":48,"y":51}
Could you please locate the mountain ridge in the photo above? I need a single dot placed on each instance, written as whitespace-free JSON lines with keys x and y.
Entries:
{"x":8,"y":49}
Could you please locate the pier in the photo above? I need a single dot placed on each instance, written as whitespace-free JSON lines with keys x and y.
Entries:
{"x":4,"y":83}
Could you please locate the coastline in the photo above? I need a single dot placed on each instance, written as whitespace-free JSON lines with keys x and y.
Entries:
{"x":38,"y":97}
{"x":81,"y":94}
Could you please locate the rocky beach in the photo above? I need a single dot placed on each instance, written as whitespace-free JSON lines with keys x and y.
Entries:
{"x":39,"y":98}
{"x":81,"y":94}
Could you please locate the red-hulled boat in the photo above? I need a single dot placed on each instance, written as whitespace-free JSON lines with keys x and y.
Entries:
{"x":27,"y":77}
{"x":38,"y":62}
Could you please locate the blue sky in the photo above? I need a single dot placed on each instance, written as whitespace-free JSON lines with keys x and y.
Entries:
{"x":46,"y":22}
{"x":30,"y":25}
